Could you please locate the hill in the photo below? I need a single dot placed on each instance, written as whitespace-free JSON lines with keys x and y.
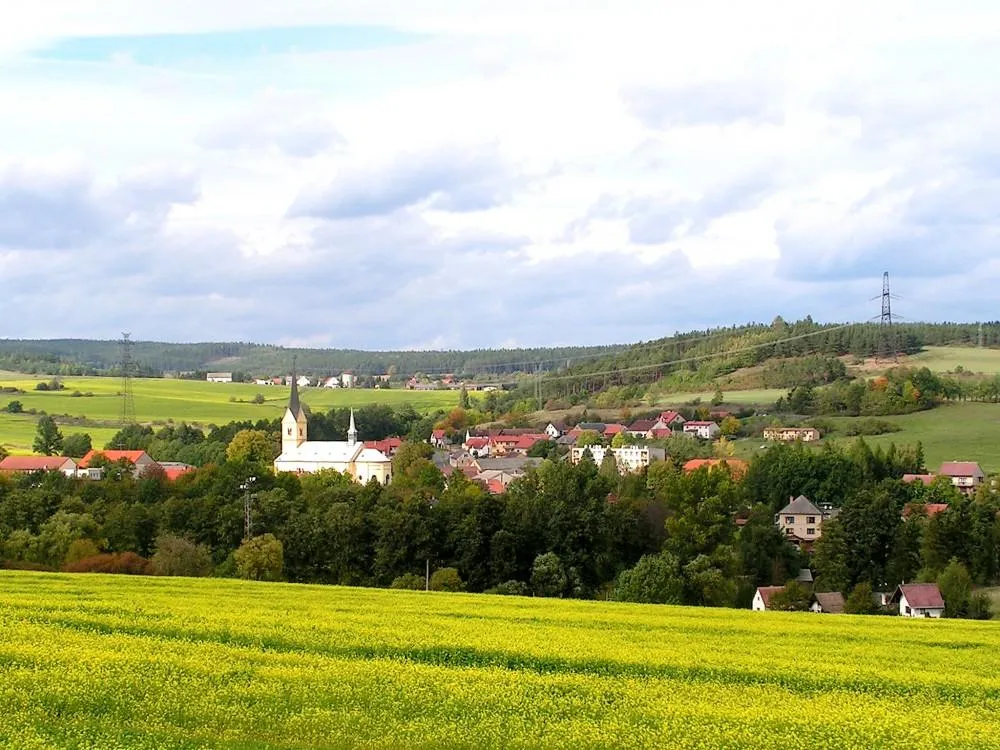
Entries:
{"x":161,"y":663}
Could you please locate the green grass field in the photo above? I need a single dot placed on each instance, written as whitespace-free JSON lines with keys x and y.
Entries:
{"x":947,"y":358}
{"x":759,"y":397}
{"x":92,"y":661}
{"x":196,"y":402}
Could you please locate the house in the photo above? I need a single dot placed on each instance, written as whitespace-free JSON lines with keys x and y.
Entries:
{"x":348,"y":379}
{"x":924,"y":479}
{"x":515,"y":465}
{"x":966,"y":476}
{"x":928,"y":510}
{"x":331,"y":382}
{"x":671,"y":419}
{"x":439,"y":438}
{"x":703,"y":430}
{"x":762,"y":597}
{"x":261,"y":381}
{"x":735,"y":465}
{"x":350,"y":457}
{"x":792,"y":434}
{"x":219,"y":377}
{"x":388,"y":446}
{"x":597,"y":427}
{"x":555,"y":430}
{"x":567,"y":440}
{"x":832,"y":603}
{"x":31,"y":464}
{"x":476,"y":446}
{"x":805,"y":576}
{"x":303,"y":381}
{"x":801,"y":520}
{"x":610,"y":430}
{"x":174,"y":469}
{"x":641,"y":428}
{"x":660,"y":433}
{"x":629,"y":458}
{"x":918,"y":600}
{"x":141,"y":461}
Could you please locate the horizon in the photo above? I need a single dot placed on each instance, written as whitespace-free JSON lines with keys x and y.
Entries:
{"x":453,"y":177}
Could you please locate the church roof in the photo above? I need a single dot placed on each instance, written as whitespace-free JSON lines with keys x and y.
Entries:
{"x":322,"y":451}
{"x":293,"y":400}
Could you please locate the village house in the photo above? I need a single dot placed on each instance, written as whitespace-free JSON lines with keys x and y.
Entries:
{"x":703,"y":430}
{"x":924,"y":479}
{"x":762,"y":597}
{"x":388,"y":446}
{"x":31,"y":464}
{"x":141,"y":461}
{"x":348,"y":379}
{"x":610,"y":430}
{"x":555,"y":430}
{"x":331,"y":382}
{"x":918,"y":600}
{"x":642,"y":428}
{"x":928,"y":510}
{"x":966,"y":476}
{"x":792,"y":434}
{"x":671,"y":419}
{"x":831,"y":603}
{"x":439,"y":438}
{"x":476,"y":446}
{"x":801,"y":521}
{"x":219,"y":377}
{"x":629,"y":458}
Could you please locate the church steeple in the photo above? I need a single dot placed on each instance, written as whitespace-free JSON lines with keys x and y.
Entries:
{"x":352,"y":431}
{"x":293,"y":424}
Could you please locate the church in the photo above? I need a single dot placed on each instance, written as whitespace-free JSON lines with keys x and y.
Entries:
{"x":302,"y":456}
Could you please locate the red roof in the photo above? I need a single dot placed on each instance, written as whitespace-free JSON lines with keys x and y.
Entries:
{"x":698,"y":424}
{"x":437,"y":434}
{"x":930,"y":509}
{"x":926,"y":479}
{"x":477,"y":442}
{"x":642,"y":425}
{"x":961,"y":469}
{"x":33,"y":463}
{"x":131,"y":456}
{"x":922,"y":595}
{"x":524,"y":442}
{"x":172,"y":472}
{"x":614,"y":429}
{"x":506,"y":439}
{"x":766,"y":592}
{"x":661,"y":432}
{"x":387,"y":446}
{"x":737,"y":465}
{"x":495,"y":487}
{"x":670,"y":416}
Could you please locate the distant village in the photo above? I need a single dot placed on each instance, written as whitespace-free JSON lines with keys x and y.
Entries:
{"x":349,"y":379}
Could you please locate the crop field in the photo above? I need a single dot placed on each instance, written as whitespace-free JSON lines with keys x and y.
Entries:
{"x":17,"y":432}
{"x":192,"y":401}
{"x":92,"y":661}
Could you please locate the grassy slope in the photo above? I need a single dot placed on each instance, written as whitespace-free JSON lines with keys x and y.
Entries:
{"x":159,"y":663}
{"x":159,"y":400}
{"x":947,"y":358}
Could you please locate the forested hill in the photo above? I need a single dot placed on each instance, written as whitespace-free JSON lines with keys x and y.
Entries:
{"x":86,"y":357}
{"x":702,"y":357}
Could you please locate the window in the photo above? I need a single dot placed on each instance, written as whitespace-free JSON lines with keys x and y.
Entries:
{"x":810,"y":519}
{"x":810,"y":531}
{"x":789,"y":519}
{"x":289,"y":430}
{"x":908,"y":611}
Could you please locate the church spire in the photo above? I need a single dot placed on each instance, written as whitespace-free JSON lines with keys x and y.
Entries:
{"x":352,"y":431}
{"x":293,"y":400}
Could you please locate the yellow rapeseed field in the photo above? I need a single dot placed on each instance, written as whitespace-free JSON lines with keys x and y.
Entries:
{"x":102,"y":662}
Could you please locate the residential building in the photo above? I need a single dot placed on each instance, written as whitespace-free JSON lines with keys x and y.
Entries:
{"x":927,"y":510}
{"x":966,"y":476}
{"x":476,"y":446}
{"x":762,"y":597}
{"x":302,"y":456}
{"x":597,"y":427}
{"x":555,"y":430}
{"x":629,"y":458}
{"x":671,"y":419}
{"x":610,"y":430}
{"x":801,"y":520}
{"x":924,"y":479}
{"x":792,"y":434}
{"x":439,"y":438}
{"x":737,"y":466}
{"x":642,"y":428}
{"x":348,"y":379}
{"x":174,"y":469}
{"x":831,"y":603}
{"x":303,"y":381}
{"x":918,"y":600}
{"x":31,"y":464}
{"x":703,"y":430}
{"x":388,"y":446}
{"x":331,"y":382}
{"x":219,"y":377}
{"x":141,"y":461}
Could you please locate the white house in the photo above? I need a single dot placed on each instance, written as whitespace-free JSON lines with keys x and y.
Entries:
{"x":348,"y":380}
{"x":261,"y":381}
{"x":555,"y":431}
{"x":919,"y":600}
{"x":762,"y":597}
{"x":303,"y":381}
{"x":703,"y":430}
{"x":350,"y":457}
{"x":219,"y":377}
{"x":333,"y":382}
{"x":966,"y":476}
{"x":630,"y":458}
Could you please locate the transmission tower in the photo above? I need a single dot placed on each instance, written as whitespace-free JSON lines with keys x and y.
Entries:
{"x":888,"y":347}
{"x":127,"y":365}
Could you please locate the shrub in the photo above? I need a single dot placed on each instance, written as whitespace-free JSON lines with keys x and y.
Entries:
{"x":548,"y":577}
{"x":861,"y":600}
{"x":176,"y":556}
{"x":980,"y":607}
{"x":446,"y":579}
{"x":15,"y":407}
{"x":509,"y":588}
{"x":409,"y":582}
{"x":126,"y":563}
{"x":260,"y":559}
{"x":80,"y":549}
{"x":655,"y":579}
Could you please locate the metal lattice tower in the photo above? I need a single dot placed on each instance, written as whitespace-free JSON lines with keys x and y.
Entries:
{"x":888,"y":348}
{"x":127,"y":365}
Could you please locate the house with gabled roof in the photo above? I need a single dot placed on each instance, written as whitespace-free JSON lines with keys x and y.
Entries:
{"x":762,"y":597}
{"x":702,"y":429}
{"x":671,"y":419}
{"x":829,"y":602}
{"x":640,"y":428}
{"x":31,"y":464}
{"x":966,"y":476}
{"x":801,"y":521}
{"x":555,"y":430}
{"x":918,"y":600}
{"x":141,"y":461}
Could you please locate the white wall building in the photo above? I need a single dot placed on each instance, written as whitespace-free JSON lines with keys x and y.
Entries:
{"x":350,"y":457}
{"x":630,"y":458}
{"x":919,"y":600}
{"x":219,"y":377}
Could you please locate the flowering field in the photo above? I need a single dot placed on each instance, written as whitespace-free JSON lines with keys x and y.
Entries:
{"x":92,"y":661}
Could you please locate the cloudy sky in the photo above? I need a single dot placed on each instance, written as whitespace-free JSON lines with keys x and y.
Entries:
{"x":456,"y":173}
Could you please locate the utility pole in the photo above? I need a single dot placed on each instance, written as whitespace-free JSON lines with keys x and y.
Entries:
{"x":427,"y":576}
{"x":247,"y":486}
{"x":887,"y":347}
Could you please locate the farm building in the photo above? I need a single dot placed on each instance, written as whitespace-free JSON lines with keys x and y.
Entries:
{"x":792,"y":434}
{"x":31,"y":464}
{"x":762,"y":597}
{"x":219,"y":377}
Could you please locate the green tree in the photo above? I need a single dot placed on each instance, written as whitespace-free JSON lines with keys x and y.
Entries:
{"x":252,"y":446}
{"x":80,"y":549}
{"x":133,"y":437}
{"x":794,"y":597}
{"x":587,"y":438}
{"x":177,"y":556}
{"x":408,"y":582}
{"x":861,"y":600}
{"x":655,"y":579}
{"x":446,"y":579}
{"x":831,"y":557}
{"x":955,"y":584}
{"x":77,"y":445}
{"x":548,"y":577}
{"x":260,"y":558}
{"x":463,"y":398}
{"x":48,"y":439}
{"x":730,"y":426}
{"x":717,"y":397}
{"x":14,"y":407}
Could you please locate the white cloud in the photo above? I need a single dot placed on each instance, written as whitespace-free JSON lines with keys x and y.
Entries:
{"x":504,"y":163}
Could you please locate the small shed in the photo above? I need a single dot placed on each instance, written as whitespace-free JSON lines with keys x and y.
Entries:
{"x":832,"y":603}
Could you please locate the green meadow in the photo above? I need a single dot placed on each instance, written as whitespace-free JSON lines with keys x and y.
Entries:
{"x":158,"y":401}
{"x":758,"y":397}
{"x":948,"y":358}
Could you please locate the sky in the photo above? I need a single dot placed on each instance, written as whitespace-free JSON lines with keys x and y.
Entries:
{"x":461,"y":174}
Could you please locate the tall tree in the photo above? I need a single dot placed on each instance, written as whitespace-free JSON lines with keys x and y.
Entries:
{"x":48,"y":439}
